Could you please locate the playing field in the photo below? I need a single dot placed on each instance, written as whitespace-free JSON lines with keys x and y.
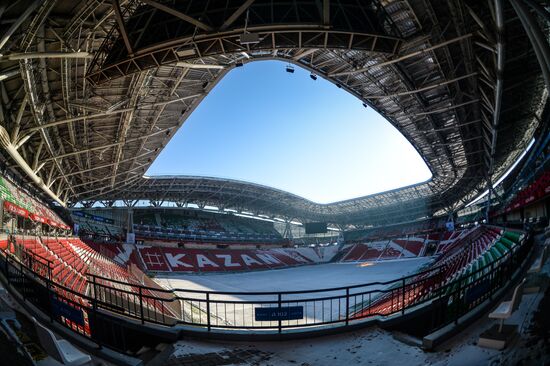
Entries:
{"x":322,"y":306}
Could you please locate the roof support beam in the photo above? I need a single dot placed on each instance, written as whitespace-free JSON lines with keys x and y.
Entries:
{"x":451,"y":127}
{"x":103,"y":114}
{"x":190,"y":65}
{"x":404,"y":57}
{"x":74,"y":119}
{"x":538,"y":41}
{"x":12,"y":151}
{"x":304,"y":54}
{"x":108,"y":165}
{"x":178,"y":14}
{"x":8,"y":74}
{"x":236,"y":14}
{"x":211,"y":44}
{"x":91,"y":182}
{"x":106,"y":146}
{"x":326,"y":12}
{"x":37,"y":156}
{"x":17,"y":124}
{"x":29,"y":55}
{"x":433,"y":86}
{"x":158,"y":104}
{"x":121,"y":187}
{"x":499,"y":18}
{"x":6,"y":37}
{"x":445,"y":109}
{"x":121,"y":27}
{"x":539,"y":9}
{"x":486,"y":32}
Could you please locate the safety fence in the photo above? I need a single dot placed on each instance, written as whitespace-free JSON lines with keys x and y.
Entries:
{"x":90,"y":314}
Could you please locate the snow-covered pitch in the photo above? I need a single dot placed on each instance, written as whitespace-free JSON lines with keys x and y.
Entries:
{"x":318,"y":307}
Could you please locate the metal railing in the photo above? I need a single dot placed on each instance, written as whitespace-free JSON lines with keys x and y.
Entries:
{"x":258,"y":312}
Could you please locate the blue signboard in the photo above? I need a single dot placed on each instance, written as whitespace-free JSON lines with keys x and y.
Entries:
{"x":67,"y":311}
{"x":477,"y":291}
{"x":93,"y":217}
{"x":283,"y":313}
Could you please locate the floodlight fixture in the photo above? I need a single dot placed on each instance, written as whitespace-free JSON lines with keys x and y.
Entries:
{"x":249,"y":39}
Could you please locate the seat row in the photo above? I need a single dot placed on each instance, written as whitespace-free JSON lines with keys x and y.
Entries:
{"x":459,"y":267}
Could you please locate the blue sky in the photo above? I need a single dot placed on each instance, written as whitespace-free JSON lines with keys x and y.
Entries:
{"x":264,"y":125}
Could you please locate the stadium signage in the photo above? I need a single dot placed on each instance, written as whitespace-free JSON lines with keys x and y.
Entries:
{"x":202,"y":261}
{"x":93,"y":217}
{"x":189,"y":260}
{"x":38,"y":218}
{"x":66,"y":311}
{"x":19,"y":211}
{"x":16,"y":210}
{"x":477,"y":291}
{"x":279,"y":313}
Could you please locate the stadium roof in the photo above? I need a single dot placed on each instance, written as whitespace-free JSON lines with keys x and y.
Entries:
{"x":93,"y":90}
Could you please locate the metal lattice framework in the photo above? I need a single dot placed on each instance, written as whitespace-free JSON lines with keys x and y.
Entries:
{"x":93,"y":90}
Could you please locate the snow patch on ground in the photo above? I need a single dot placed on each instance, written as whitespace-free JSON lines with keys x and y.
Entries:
{"x":310,"y":277}
{"x":320,"y":307}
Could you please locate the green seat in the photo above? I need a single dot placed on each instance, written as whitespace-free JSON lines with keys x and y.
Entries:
{"x":510,"y":244}
{"x":475,"y":267}
{"x":466,"y":278}
{"x":515,"y":237}
{"x":481,"y":261}
{"x":495,"y":249}
{"x":501,"y":248}
{"x":495,"y":253}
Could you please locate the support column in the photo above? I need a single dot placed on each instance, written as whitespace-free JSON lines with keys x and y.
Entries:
{"x":288,"y":230}
{"x":130,"y":235}
{"x":488,"y":208}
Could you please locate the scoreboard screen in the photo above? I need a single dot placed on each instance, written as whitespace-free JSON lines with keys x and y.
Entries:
{"x":316,"y":227}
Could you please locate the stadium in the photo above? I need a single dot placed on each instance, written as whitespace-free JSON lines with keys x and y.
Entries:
{"x":103,"y":263}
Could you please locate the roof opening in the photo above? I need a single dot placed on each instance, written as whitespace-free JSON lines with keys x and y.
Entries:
{"x":293,"y":132}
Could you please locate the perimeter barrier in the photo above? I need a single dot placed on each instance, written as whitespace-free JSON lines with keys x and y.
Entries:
{"x":116,"y":314}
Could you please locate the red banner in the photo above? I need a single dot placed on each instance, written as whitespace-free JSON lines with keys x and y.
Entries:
{"x":16,"y":210}
{"x":44,"y":220}
{"x":196,"y":260}
{"x":38,"y":218}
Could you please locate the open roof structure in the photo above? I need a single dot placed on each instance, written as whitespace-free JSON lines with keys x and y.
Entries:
{"x":93,"y":90}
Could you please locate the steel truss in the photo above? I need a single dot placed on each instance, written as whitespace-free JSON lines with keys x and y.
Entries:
{"x":93,"y":90}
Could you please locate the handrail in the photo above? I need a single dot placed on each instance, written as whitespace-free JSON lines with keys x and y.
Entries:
{"x":264,"y":293}
{"x":46,"y":279}
{"x":269,"y":292}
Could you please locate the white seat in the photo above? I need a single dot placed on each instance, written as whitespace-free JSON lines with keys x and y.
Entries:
{"x":60,"y":349}
{"x":502,"y":310}
{"x":506,"y":308}
{"x":539,"y":262}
